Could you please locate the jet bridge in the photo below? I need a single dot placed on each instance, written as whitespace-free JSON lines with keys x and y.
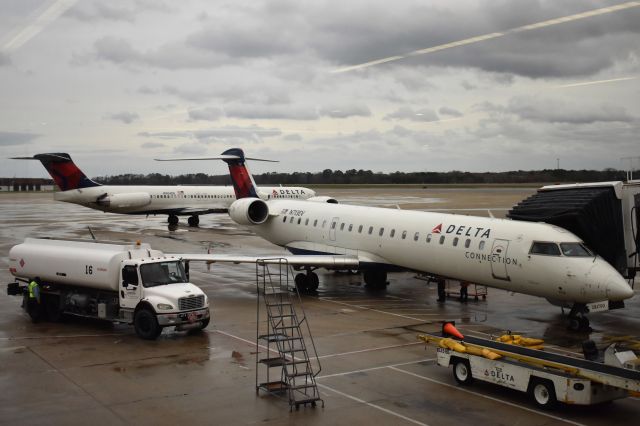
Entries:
{"x":603,"y":214}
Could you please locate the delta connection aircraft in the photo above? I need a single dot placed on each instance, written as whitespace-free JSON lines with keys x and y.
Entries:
{"x":77,"y":188}
{"x":526,"y":257}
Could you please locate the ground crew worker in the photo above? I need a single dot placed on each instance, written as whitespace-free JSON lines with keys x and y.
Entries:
{"x":442,"y":295}
{"x":464,"y":294}
{"x":33,"y":303}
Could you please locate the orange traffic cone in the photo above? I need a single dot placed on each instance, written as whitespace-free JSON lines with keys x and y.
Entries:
{"x":451,"y":329}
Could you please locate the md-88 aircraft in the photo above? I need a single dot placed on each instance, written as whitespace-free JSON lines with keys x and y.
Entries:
{"x":537,"y":259}
{"x":172,"y":200}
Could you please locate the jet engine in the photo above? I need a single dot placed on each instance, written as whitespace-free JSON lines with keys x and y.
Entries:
{"x":119,"y":201}
{"x":323,"y":199}
{"x":249,"y":211}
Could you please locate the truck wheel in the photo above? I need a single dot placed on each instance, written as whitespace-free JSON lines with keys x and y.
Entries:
{"x":543,"y":393}
{"x":462,"y":371}
{"x":146,"y":324}
{"x":52,"y":308}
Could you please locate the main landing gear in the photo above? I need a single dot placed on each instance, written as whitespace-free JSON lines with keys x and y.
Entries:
{"x":375,"y":279}
{"x":172,"y":219}
{"x":307,"y":282}
{"x":578,"y":320}
{"x":194,"y":220}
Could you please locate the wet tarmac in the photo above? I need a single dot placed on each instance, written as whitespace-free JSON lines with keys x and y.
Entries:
{"x":373,"y":368}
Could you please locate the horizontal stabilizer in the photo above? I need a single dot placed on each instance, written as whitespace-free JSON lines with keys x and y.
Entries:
{"x":218,"y":157}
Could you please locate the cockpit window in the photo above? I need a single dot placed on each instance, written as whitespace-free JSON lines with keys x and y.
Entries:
{"x":575,"y":250}
{"x":162,"y":273}
{"x":549,"y":249}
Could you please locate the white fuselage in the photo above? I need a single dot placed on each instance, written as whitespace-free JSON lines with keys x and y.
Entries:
{"x":492,"y":252}
{"x":178,"y":200}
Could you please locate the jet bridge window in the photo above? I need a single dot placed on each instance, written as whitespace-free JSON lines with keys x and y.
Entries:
{"x":416,"y":236}
{"x":547,"y":249}
{"x":575,"y":250}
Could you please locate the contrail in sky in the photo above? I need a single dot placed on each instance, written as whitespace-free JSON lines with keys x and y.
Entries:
{"x":37,"y":25}
{"x":490,"y":36}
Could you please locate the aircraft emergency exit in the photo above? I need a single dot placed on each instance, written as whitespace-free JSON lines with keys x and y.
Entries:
{"x":526,"y":257}
{"x":172,"y":200}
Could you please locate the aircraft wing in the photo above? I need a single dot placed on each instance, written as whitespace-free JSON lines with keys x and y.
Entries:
{"x":325,"y":261}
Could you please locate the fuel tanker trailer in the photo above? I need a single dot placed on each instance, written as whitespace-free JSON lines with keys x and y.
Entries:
{"x":129,"y":283}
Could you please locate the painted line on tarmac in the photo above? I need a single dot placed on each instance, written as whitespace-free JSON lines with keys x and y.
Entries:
{"x":71,"y":336}
{"x":542,"y":413}
{"x":369,"y":309}
{"x":376,"y":368}
{"x":377,"y":407}
{"x":380,"y":348}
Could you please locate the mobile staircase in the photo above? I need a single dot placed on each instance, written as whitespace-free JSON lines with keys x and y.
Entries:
{"x":283,"y":334}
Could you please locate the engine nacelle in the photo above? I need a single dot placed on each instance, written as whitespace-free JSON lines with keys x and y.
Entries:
{"x":249,"y":211}
{"x":323,"y":199}
{"x":120,"y":201}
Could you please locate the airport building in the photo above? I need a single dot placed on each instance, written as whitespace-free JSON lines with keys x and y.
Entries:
{"x":26,"y":184}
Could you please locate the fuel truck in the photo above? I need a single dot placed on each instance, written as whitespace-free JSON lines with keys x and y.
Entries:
{"x":124,"y":283}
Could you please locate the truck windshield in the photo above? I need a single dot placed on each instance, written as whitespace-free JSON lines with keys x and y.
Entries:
{"x":162,"y":273}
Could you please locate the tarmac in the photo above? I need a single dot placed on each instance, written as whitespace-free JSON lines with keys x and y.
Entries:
{"x":374,"y":370}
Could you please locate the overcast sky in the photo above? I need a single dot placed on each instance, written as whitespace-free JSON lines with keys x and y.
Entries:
{"x":118,"y":83}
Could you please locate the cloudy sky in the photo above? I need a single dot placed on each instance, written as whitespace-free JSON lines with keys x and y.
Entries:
{"x":407,"y":85}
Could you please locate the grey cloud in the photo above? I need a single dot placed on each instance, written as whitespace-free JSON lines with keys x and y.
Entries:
{"x":293,"y":137}
{"x":344,"y":111}
{"x":153,"y":145}
{"x":88,"y":12}
{"x":408,"y":113}
{"x":191,"y":149}
{"x":16,"y":138}
{"x":124,"y":116}
{"x":556,"y":111}
{"x":450,"y":112}
{"x":221,"y":134}
{"x":205,"y":114}
{"x":267,"y":112}
{"x":4,"y":59}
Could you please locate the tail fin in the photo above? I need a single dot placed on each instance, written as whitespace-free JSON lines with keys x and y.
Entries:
{"x":63,"y":170}
{"x":243,"y":183}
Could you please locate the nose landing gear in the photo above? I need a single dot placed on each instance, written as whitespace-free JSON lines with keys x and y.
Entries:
{"x":578,"y":320}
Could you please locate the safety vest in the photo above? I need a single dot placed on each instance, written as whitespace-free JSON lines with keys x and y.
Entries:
{"x":33,"y":290}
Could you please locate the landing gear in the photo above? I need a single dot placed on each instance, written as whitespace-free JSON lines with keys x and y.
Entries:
{"x":172,"y":219}
{"x":194,"y":220}
{"x":308,"y":282}
{"x":578,"y":320}
{"x":375,"y":279}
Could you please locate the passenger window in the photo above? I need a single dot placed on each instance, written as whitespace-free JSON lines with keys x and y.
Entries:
{"x":350,"y":227}
{"x":342,"y":226}
{"x":547,"y":249}
{"x":333,"y":225}
{"x":299,"y":220}
{"x":381,"y":232}
{"x":315,"y":223}
{"x":416,"y":236}
{"x":306,"y":222}
{"x":291,"y":220}
{"x":404,"y":234}
{"x":370,"y":230}
{"x":441,"y":239}
{"x":324,"y":222}
{"x":393,"y":232}
{"x":284,"y":219}
{"x":575,"y":250}
{"x":455,"y":242}
{"x":428,"y":238}
{"x":360,"y":229}
{"x":481,"y":245}
{"x":467,"y":243}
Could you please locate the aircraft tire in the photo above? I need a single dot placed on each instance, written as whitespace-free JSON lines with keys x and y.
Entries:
{"x":375,"y":280}
{"x":301,"y":282}
{"x":194,"y":221}
{"x":172,"y":219}
{"x":313,"y":281}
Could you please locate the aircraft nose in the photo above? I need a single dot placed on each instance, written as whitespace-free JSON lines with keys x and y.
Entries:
{"x":618,"y":288}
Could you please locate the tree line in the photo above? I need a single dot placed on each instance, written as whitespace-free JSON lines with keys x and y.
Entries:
{"x":364,"y":177}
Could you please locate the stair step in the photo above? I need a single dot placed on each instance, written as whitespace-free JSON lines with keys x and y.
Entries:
{"x":279,"y":304}
{"x":300,"y":374}
{"x":278,"y":386}
{"x":307,"y":386}
{"x":279,"y":361}
{"x":278,"y":338}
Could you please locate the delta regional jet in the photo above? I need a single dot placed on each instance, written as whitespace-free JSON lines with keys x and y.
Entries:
{"x":177,"y":200}
{"x":526,"y":257}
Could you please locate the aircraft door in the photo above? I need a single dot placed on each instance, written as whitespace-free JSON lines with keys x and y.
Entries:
{"x":332,"y":228}
{"x":498,"y":259}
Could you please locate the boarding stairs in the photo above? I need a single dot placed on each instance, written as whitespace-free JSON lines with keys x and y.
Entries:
{"x":283,"y":364}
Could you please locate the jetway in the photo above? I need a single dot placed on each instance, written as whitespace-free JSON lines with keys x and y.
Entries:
{"x":603,"y":214}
